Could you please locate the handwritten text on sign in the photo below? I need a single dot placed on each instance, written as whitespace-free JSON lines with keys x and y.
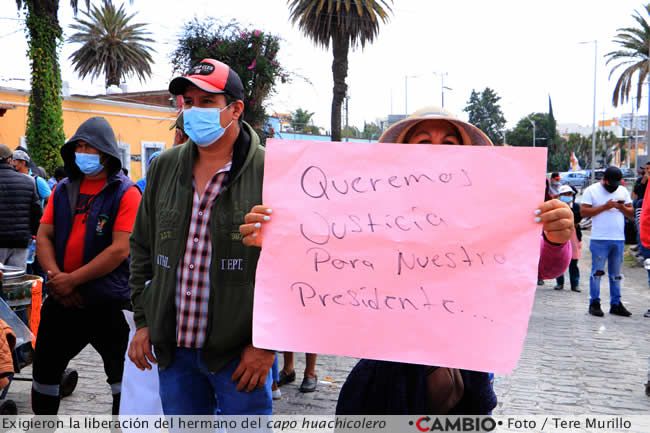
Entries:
{"x":414,"y":253}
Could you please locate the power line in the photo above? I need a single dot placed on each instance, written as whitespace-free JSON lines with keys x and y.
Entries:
{"x":9,"y":34}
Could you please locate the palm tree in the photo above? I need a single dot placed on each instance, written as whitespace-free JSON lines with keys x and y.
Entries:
{"x":344,"y":23}
{"x":300,"y":119}
{"x":111,"y":45}
{"x":45,"y":114}
{"x":633,"y":55}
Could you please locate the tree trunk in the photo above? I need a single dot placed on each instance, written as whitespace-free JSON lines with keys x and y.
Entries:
{"x":45,"y":115}
{"x":113,"y":76}
{"x":340,"y":48}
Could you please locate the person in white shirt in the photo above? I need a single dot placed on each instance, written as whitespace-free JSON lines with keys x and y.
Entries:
{"x":608,"y":204}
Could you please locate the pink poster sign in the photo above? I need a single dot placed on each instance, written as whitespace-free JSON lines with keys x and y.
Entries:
{"x":400,"y":252}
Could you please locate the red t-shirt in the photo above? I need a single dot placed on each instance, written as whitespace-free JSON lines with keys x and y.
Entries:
{"x":124,"y":221}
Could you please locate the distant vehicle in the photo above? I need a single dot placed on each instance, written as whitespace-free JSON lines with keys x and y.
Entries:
{"x":628,"y":173}
{"x":576,"y":179}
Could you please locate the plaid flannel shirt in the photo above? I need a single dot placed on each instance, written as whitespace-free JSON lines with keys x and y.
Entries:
{"x":193,"y":288}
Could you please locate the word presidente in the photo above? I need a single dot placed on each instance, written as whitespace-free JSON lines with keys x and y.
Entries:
{"x":372,"y":299}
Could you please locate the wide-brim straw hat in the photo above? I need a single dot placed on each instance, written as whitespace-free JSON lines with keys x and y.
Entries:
{"x":470,"y":134}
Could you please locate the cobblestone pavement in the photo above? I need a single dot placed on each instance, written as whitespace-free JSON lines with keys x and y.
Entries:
{"x":572,"y":363}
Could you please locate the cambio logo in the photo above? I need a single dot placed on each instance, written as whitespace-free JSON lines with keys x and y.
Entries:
{"x":454,"y":424}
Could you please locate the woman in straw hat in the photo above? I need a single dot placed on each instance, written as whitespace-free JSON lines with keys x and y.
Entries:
{"x":382,"y":387}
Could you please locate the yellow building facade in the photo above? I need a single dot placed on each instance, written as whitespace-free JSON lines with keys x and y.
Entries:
{"x":140,"y":129}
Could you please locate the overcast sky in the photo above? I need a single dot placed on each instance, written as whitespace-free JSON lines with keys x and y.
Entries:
{"x":525,"y":50}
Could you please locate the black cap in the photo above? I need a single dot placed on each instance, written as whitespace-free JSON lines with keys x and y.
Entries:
{"x":613,"y":175}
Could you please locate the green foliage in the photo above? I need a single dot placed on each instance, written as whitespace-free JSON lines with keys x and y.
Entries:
{"x":351,"y":132}
{"x":111,"y":44}
{"x":344,"y":24}
{"x":44,"y":134}
{"x":546,"y":136}
{"x":606,"y":145}
{"x":319,"y":21}
{"x":485,"y":113}
{"x":49,"y":7}
{"x":581,"y":146}
{"x":371,"y":131}
{"x":312,"y":129}
{"x":250,"y":53}
{"x":558,"y":161}
{"x":301,"y":119}
{"x":522,"y":134}
{"x":633,"y":57}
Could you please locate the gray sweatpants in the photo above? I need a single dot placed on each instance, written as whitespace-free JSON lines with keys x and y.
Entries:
{"x":14,"y":257}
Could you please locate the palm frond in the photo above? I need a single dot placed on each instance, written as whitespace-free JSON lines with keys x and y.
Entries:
{"x":633,"y":56}
{"x":355,"y":20}
{"x":111,"y":45}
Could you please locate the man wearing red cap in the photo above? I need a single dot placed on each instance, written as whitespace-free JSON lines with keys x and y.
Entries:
{"x":191,"y":276}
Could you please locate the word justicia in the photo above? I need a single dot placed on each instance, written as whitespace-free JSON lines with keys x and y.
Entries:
{"x":315,"y":182}
{"x":320,"y":230}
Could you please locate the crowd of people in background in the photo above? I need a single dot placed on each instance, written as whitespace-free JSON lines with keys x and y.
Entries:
{"x":616,"y":220}
{"x":152,"y":253}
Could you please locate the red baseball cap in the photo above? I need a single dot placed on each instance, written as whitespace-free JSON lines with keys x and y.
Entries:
{"x":211,"y":76}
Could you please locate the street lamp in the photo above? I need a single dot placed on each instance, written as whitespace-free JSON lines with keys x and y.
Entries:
{"x":406,"y":92}
{"x":532,"y":122}
{"x":593,"y":125}
{"x":442,"y":87}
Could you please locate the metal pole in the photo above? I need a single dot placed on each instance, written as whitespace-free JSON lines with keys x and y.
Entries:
{"x":534,"y":138}
{"x":442,"y":89}
{"x":647,"y":132}
{"x":406,"y":95}
{"x":347,"y":112}
{"x":636,"y":135}
{"x":532,"y":122}
{"x":593,"y":125}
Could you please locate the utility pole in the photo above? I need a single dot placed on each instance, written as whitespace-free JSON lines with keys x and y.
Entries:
{"x":593,"y":125}
{"x":647,"y":131}
{"x":442,"y":87}
{"x":406,"y":95}
{"x":532,"y":122}
{"x":347,"y":116}
{"x":636,"y":134}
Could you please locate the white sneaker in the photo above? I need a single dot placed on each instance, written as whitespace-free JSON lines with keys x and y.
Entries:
{"x":277,"y":394}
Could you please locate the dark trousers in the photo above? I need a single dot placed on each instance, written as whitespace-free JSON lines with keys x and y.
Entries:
{"x":574,"y":275}
{"x":62,"y":334}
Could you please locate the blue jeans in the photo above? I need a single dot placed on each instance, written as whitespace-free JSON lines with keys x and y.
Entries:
{"x":188,"y":388}
{"x":275,"y":370}
{"x":610,"y":253}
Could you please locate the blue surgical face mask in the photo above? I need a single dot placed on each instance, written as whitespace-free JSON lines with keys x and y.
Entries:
{"x":203,"y":125}
{"x":566,"y":199}
{"x":88,"y":163}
